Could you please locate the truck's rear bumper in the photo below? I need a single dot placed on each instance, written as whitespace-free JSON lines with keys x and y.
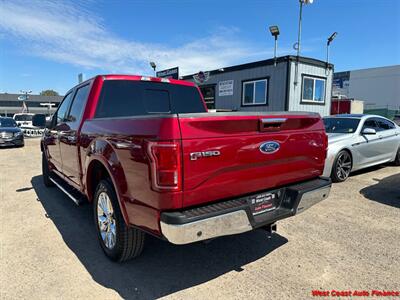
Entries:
{"x":236,"y":216}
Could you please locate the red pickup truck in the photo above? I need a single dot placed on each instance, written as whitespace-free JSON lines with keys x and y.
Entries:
{"x":151,"y":159}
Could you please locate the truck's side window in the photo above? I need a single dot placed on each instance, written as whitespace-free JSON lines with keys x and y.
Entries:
{"x":78,"y":105}
{"x":62,"y":109}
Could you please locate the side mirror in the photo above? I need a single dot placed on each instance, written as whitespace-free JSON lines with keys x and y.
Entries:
{"x":49,"y":124}
{"x":19,"y":124}
{"x":368,"y":131}
{"x":39,"y":120}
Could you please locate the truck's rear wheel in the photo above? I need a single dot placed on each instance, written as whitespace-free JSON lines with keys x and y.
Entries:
{"x":46,"y":171}
{"x":118,"y":241}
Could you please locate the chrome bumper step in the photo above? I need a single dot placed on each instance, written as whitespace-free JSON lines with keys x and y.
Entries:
{"x":235,"y":216}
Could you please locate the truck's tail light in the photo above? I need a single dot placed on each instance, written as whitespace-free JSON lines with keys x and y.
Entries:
{"x":165,"y":160}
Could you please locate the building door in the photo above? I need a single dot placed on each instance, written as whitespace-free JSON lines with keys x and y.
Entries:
{"x":208,"y":92}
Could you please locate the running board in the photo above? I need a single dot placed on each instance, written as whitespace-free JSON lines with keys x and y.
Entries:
{"x":77,"y":200}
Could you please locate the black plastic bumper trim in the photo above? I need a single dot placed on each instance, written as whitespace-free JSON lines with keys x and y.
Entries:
{"x":288,"y":203}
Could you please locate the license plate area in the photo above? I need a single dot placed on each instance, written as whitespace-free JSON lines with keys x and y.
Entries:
{"x":264,"y":202}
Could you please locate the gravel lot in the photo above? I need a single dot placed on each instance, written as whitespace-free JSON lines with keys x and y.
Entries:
{"x":49,"y":248}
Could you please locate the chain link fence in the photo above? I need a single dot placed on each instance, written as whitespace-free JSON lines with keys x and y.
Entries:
{"x":387,"y":111}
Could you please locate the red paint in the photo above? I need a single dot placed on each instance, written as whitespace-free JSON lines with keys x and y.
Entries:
{"x":123,"y":147}
{"x":340,"y":107}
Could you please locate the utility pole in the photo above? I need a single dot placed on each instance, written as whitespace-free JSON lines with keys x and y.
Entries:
{"x":25,"y":97}
{"x":297,"y":45}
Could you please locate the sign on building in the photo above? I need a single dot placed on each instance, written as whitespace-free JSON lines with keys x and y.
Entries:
{"x":172,"y":73}
{"x":225,"y":88}
{"x":340,"y":84}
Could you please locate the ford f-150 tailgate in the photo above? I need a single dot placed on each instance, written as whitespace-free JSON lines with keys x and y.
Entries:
{"x":231,"y":154}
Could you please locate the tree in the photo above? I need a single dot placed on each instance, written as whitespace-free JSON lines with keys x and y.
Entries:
{"x":48,"y":93}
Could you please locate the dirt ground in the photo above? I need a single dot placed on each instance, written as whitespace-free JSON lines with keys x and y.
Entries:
{"x":49,"y":249}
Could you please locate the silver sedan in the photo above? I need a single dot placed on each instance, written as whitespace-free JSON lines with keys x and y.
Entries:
{"x":359,"y":141}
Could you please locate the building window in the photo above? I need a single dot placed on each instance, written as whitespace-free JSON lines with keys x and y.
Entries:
{"x":208,"y":93}
{"x":313,"y":90}
{"x":255,"y":92}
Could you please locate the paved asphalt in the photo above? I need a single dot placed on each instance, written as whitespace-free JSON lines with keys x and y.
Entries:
{"x":351,"y":241}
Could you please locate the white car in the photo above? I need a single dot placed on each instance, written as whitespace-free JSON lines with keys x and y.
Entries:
{"x":359,"y":141}
{"x":24,"y":119}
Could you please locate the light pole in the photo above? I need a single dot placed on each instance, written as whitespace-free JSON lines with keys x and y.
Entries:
{"x":154,"y":66}
{"x":328,"y":43}
{"x":25,"y":93}
{"x":297,"y":45}
{"x":275,"y":33}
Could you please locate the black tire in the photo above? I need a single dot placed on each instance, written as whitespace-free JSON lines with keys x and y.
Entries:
{"x":129,"y":241}
{"x":46,"y":172}
{"x":397,"y":159}
{"x":341,"y":167}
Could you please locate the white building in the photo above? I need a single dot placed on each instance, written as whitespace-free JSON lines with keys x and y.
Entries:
{"x":379,"y":88}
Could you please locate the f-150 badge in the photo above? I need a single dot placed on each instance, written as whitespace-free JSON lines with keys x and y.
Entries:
{"x":197,"y":155}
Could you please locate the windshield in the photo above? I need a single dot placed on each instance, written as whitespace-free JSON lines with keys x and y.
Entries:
{"x":23,"y":118}
{"x":7,"y":123}
{"x":341,"y":125}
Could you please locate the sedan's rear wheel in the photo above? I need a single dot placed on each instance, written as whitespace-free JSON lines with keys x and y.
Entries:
{"x":341,"y":166}
{"x":397,"y":159}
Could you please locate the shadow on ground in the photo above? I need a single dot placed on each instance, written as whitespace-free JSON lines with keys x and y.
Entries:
{"x":162,"y":268}
{"x":385,"y":191}
{"x":368,"y":170}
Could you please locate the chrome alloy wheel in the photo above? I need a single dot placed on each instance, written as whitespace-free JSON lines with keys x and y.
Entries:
{"x":343,"y":165}
{"x":106,"y":220}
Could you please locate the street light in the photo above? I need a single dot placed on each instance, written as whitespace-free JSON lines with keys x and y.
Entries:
{"x":328,"y":43}
{"x":331,"y":38}
{"x":25,"y":93}
{"x":297,"y":45}
{"x":154,"y":66}
{"x":274,"y":29}
{"x":25,"y":98}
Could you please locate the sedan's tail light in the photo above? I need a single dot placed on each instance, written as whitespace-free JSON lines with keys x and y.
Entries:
{"x":165,"y":161}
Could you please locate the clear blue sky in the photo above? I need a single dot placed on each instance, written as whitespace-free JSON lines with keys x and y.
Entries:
{"x":45,"y":44}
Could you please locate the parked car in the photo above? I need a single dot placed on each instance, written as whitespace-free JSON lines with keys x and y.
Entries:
{"x":10,"y":133}
{"x":359,"y":141}
{"x":151,"y":159}
{"x":24,"y":119}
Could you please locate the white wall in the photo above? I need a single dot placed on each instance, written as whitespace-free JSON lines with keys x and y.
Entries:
{"x":295,"y":90}
{"x":377,"y":87}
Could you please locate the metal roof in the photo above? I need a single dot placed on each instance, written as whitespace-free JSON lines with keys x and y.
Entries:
{"x":31,"y":98}
{"x":271,"y":61}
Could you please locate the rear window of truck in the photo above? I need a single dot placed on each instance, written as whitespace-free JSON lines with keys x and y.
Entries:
{"x":125,"y":98}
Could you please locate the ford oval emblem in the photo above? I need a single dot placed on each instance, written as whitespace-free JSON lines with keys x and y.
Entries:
{"x":269,"y":147}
